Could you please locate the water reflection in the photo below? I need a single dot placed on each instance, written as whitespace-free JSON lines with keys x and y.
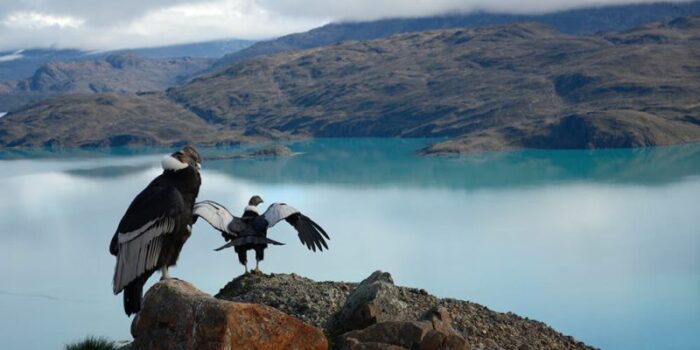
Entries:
{"x":109,"y":171}
{"x":379,"y":162}
{"x":602,"y":245}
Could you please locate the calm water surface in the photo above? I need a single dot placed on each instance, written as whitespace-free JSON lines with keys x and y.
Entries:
{"x":602,"y":245}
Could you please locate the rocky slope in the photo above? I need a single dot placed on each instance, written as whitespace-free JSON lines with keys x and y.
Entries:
{"x":117,"y":120}
{"x":578,"y":21}
{"x":376,"y":312}
{"x":121,"y":72}
{"x":489,"y":88}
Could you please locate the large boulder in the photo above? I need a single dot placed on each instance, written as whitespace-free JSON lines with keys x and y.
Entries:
{"x":177,"y":316}
{"x":433,"y":332}
{"x":375,"y":299}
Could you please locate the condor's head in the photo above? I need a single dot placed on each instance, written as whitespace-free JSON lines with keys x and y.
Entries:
{"x":186,"y":157}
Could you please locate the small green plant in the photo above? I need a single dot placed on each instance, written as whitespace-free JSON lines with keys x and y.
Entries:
{"x":92,"y":343}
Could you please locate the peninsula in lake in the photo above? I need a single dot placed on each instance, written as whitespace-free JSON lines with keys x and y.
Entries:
{"x":522,"y":85}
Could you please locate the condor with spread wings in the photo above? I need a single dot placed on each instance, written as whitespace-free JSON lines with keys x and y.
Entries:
{"x":249,"y":232}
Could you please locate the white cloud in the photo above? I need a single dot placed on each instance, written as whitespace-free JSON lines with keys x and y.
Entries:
{"x":180,"y":23}
{"x":218,"y":19}
{"x":90,"y":24}
{"x":376,"y":9}
{"x":38,"y":20}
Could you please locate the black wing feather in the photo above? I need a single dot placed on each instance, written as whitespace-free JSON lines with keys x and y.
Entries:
{"x":310,"y":233}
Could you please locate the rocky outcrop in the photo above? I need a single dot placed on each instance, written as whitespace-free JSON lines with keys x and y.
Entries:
{"x":431,"y":333}
{"x":177,"y":316}
{"x":313,"y":302}
{"x":377,"y":314}
{"x":266,"y":152}
{"x":374,"y":300}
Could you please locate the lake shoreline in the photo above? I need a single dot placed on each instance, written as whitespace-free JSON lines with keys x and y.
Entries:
{"x":435,"y":147}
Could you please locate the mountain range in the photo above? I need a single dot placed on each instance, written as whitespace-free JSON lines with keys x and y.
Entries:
{"x":578,"y":22}
{"x":21,"y":64}
{"x":487,"y":88}
{"x":18,"y":66}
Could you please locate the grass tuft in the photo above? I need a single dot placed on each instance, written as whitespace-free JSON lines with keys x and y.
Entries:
{"x":92,"y":343}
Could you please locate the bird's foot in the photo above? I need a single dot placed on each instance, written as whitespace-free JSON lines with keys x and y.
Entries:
{"x":164,"y":274}
{"x":257,"y":268}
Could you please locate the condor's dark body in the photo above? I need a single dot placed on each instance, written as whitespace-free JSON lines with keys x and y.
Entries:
{"x":171,"y":194}
{"x":251,"y":239}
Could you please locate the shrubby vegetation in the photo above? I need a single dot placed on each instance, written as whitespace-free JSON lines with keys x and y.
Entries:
{"x":92,"y":343}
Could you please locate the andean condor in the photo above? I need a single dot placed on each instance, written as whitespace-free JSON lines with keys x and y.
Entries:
{"x":155,"y":227}
{"x":249,"y":232}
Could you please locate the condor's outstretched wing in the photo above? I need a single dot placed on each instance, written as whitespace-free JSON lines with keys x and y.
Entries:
{"x":310,"y":233}
{"x":152,"y":216}
{"x":218,"y":217}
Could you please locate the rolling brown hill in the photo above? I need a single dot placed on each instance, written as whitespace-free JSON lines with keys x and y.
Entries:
{"x":488,"y":88}
{"x":114,"y":120}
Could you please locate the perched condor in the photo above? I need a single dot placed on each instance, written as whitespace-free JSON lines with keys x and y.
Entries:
{"x":155,"y":227}
{"x":249,"y":232}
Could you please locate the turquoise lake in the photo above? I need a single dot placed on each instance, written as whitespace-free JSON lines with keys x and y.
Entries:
{"x":601,"y":245}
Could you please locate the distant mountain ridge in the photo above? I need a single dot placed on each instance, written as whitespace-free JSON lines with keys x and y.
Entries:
{"x":21,"y":64}
{"x":121,"y":72}
{"x":579,"y":21}
{"x":205,"y":49}
{"x":490,"y":88}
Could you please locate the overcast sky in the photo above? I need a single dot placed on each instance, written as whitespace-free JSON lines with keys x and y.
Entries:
{"x":98,"y":25}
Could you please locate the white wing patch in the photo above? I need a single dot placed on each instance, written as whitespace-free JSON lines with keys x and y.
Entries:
{"x":277,"y":212}
{"x":214,"y":213}
{"x":139,"y":251}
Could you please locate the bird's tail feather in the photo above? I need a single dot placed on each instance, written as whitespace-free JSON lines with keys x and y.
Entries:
{"x":254,"y":240}
{"x":132,"y":297}
{"x":229,"y":244}
{"x":239,"y":241}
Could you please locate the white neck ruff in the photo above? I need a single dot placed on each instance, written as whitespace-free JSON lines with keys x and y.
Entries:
{"x":172,"y":163}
